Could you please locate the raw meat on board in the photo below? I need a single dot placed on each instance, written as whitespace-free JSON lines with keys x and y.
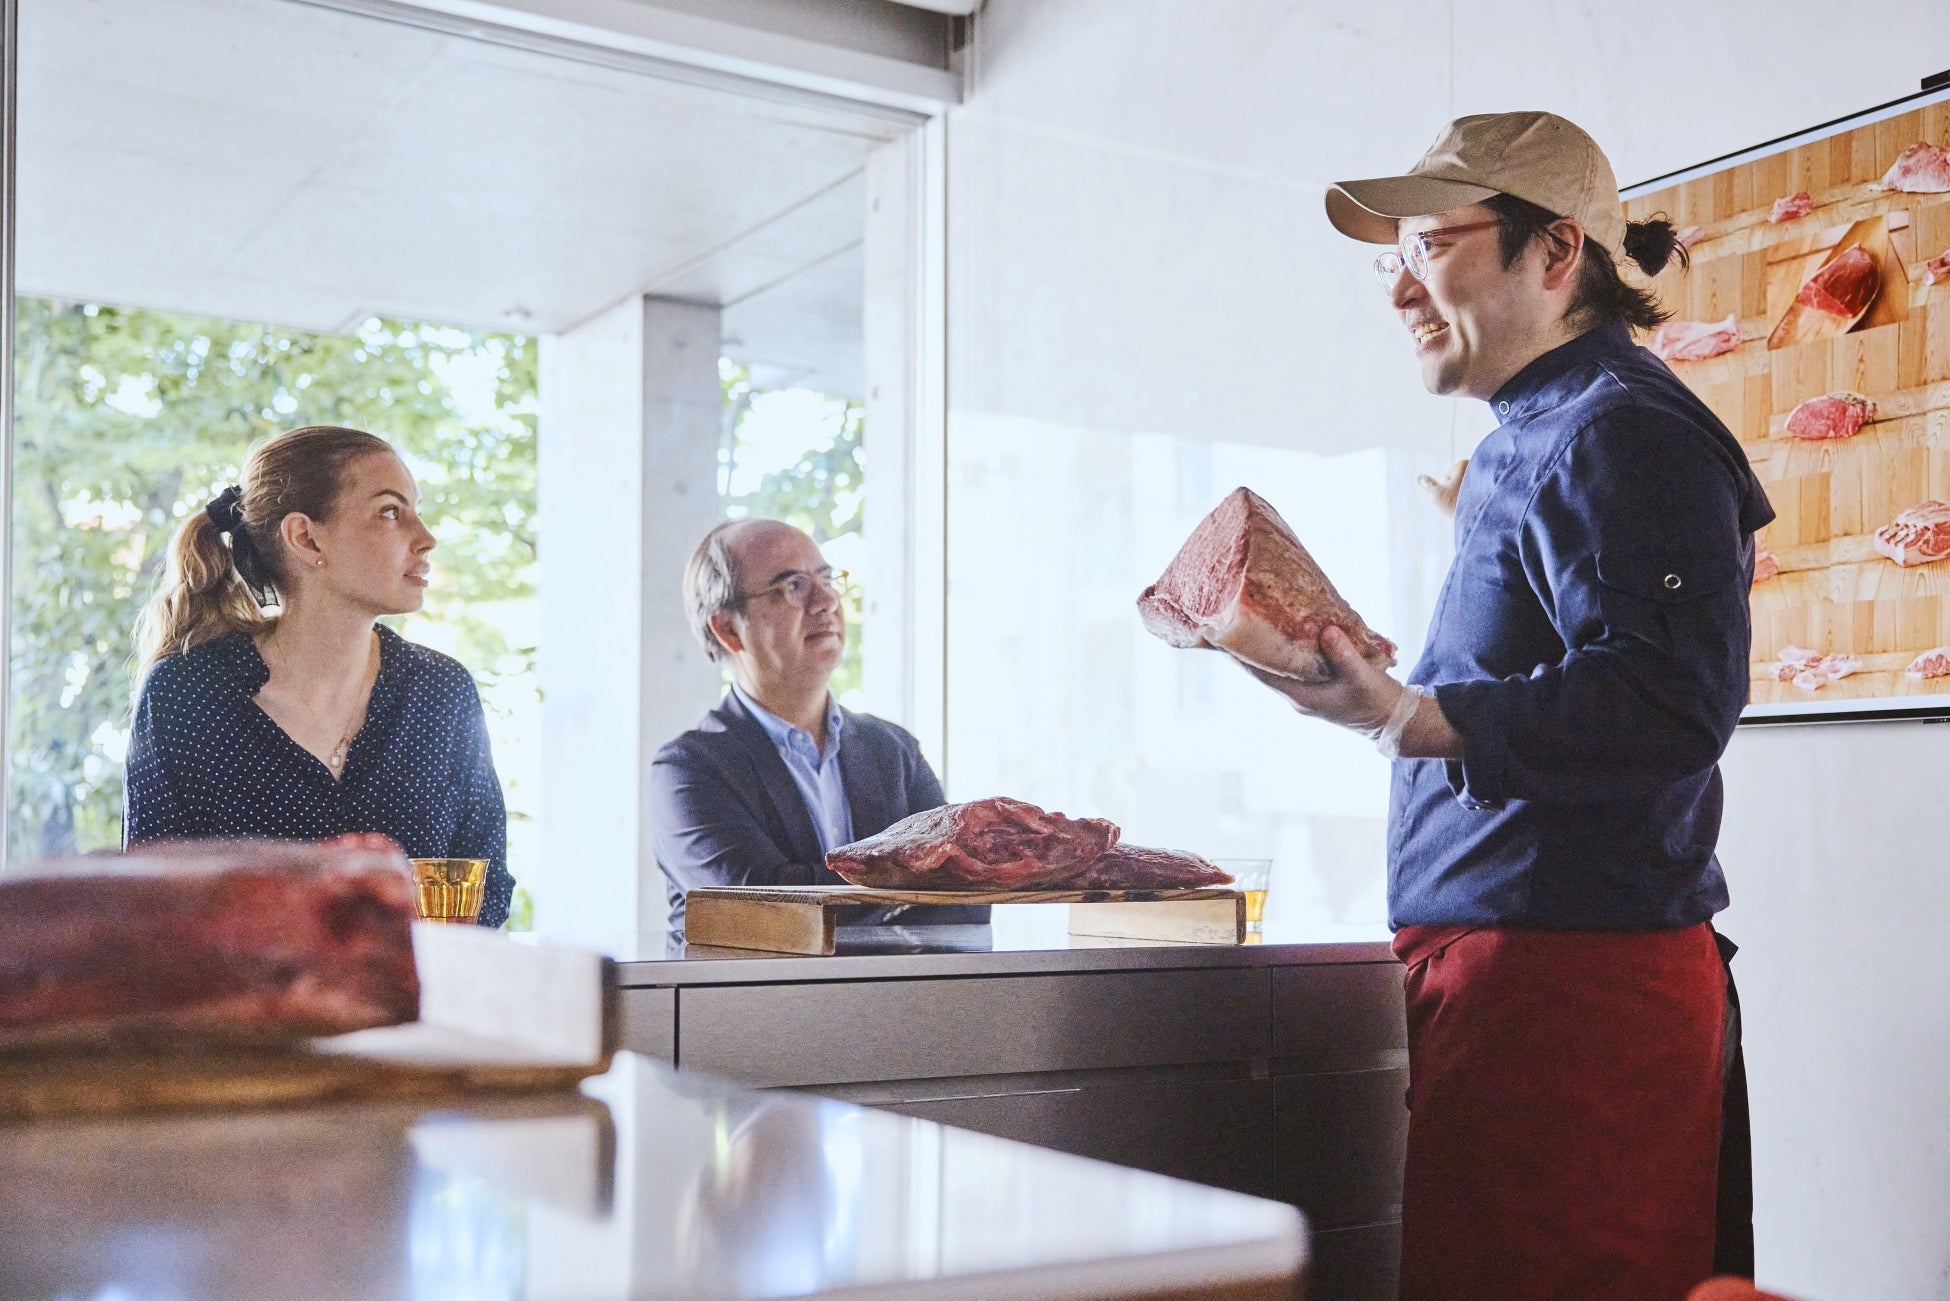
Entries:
{"x":991,"y":844}
{"x":1799,"y":204}
{"x":1923,"y":168}
{"x":1845,"y":287}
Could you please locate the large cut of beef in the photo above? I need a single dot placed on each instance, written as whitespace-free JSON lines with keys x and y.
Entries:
{"x":1845,"y":287}
{"x":1923,"y":168}
{"x":1798,"y":204}
{"x":1005,"y":844}
{"x":1695,"y":340}
{"x":1918,"y":536}
{"x":1243,"y":583}
{"x":241,"y":941}
{"x":1833,"y":415}
{"x":1134,"y":867}
{"x":992,"y":844}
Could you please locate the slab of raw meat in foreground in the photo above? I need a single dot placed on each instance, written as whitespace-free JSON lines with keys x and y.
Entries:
{"x":236,"y":942}
{"x":1243,"y":583}
{"x":991,"y":844}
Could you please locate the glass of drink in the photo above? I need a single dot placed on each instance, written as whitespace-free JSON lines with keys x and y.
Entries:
{"x":450,"y":889}
{"x":1251,"y":876}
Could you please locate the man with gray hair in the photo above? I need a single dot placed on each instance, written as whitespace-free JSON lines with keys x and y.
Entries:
{"x":778,"y":774}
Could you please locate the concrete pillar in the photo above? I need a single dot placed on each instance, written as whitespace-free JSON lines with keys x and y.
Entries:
{"x":628,"y":465}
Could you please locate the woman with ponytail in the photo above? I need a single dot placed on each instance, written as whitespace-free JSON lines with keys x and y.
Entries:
{"x":273,"y":703}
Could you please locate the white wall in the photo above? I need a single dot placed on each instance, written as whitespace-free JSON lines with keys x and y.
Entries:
{"x":1137,"y":248}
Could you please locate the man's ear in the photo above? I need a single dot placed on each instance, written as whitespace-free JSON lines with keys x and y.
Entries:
{"x":1561,"y":252}
{"x":726,"y":631}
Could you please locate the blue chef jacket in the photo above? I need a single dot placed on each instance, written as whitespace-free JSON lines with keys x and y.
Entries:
{"x":1591,"y":645}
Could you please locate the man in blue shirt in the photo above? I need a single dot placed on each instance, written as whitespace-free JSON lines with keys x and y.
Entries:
{"x":778,"y":774}
{"x":1556,"y":800}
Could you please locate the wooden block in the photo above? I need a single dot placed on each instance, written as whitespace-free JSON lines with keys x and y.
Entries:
{"x":772,"y":925}
{"x":1196,"y":921}
{"x":799,"y":919}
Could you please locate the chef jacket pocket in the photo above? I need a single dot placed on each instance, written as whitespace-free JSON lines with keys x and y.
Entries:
{"x":1650,"y":593}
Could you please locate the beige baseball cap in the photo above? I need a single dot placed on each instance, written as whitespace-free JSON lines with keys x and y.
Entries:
{"x":1538,"y":157}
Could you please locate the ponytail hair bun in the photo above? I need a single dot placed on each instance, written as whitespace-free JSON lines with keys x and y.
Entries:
{"x":1653,"y":243}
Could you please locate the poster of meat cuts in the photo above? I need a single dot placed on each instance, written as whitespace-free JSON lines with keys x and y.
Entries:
{"x":1815,"y":320}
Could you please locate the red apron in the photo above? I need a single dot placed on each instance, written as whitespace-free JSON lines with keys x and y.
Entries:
{"x":1564,"y":1113}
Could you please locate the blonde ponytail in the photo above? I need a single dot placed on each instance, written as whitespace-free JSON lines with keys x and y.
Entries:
{"x":211,"y":588}
{"x":201,"y":597}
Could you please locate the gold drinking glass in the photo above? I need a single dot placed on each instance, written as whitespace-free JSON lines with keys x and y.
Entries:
{"x":1251,"y":876}
{"x":450,"y":889}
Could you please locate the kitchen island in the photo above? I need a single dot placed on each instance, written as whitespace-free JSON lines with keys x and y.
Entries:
{"x":1276,"y":1068}
{"x":647,"y":1185}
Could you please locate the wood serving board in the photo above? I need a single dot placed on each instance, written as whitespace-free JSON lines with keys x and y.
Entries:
{"x":800,"y":918}
{"x":496,"y":1016}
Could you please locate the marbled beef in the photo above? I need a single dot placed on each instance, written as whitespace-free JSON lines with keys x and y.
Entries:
{"x":1242,"y":583}
{"x":991,"y":844}
{"x":1695,"y":340}
{"x":1844,"y":287}
{"x":1918,"y":535}
{"x":1833,"y":415}
{"x":1923,"y":168}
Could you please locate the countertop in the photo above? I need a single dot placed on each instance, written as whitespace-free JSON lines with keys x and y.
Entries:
{"x":1030,"y":941}
{"x":649,"y":1184}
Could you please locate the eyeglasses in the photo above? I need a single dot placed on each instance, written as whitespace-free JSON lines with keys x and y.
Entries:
{"x":798,"y":587}
{"x":1412,"y":255}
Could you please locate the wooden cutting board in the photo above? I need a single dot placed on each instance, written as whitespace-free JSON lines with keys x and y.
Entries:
{"x":496,"y":1016}
{"x":800,"y":918}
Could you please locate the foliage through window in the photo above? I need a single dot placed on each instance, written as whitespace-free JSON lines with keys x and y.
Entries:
{"x":799,"y":456}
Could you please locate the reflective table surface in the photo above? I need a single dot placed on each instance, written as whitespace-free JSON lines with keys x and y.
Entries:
{"x":647,"y":1185}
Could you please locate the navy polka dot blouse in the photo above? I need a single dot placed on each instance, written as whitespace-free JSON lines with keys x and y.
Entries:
{"x":205,"y":761}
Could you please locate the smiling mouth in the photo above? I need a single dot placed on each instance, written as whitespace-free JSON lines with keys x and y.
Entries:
{"x":418,"y":576}
{"x":1428,"y":330}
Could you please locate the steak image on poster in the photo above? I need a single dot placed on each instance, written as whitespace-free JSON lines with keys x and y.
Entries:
{"x":1242,"y":583}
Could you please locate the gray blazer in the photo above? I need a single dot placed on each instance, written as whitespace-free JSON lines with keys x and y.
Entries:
{"x":723,"y":809}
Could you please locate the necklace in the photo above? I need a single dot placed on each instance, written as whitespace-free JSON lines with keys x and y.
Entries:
{"x":335,"y":759}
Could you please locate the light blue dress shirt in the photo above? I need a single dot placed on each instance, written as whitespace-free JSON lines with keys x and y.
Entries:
{"x":815,"y":772}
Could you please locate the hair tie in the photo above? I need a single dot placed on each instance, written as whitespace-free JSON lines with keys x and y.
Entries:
{"x":226,"y":510}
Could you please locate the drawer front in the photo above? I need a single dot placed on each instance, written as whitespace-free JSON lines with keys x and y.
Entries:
{"x":840,"y":1033}
{"x":1361,"y":1264}
{"x":1339,"y":1142}
{"x":1345,"y":1017}
{"x":649,"y":1022}
{"x":1209,"y":1131}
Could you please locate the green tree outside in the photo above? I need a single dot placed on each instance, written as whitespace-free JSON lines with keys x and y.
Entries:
{"x":126,"y":421}
{"x":821,"y":493}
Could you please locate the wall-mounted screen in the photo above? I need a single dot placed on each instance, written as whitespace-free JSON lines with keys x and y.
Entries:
{"x":1815,"y":320}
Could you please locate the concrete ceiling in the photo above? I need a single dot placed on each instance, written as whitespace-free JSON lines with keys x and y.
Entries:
{"x":267,"y":160}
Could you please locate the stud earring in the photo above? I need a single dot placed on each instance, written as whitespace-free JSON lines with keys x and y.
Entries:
{"x":321,"y":564}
